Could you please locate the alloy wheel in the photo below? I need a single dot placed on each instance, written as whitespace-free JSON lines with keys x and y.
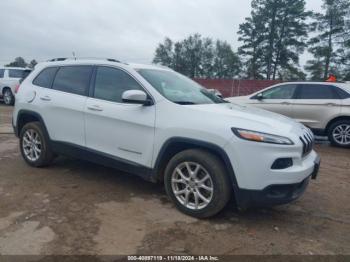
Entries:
{"x":192,"y":185}
{"x":32,"y":146}
{"x":7,"y":97}
{"x":341,"y":134}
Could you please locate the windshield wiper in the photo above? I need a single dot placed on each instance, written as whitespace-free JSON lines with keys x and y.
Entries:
{"x":184,"y":102}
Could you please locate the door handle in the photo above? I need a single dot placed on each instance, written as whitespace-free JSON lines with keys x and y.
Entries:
{"x":285,"y":103}
{"x":330,"y":104}
{"x":45,"y":98}
{"x":95,"y":108}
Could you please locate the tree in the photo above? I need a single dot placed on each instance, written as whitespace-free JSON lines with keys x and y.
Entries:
{"x":164,"y":53}
{"x":274,"y":37}
{"x":198,"y":57}
{"x":252,"y":35}
{"x":332,"y":35}
{"x":19,"y":62}
{"x":32,"y":64}
{"x":226,"y":62}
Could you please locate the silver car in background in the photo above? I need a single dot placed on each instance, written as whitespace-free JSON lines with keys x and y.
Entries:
{"x":322,"y":106}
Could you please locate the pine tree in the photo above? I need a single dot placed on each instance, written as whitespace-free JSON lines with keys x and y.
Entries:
{"x":252,"y":35}
{"x":327,"y":46}
{"x":274,"y":37}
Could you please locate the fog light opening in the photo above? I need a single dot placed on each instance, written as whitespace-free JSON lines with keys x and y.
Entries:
{"x":282,"y":163}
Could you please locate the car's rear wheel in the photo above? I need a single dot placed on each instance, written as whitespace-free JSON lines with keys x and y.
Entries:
{"x":35,"y":146}
{"x":339,"y":133}
{"x":8,"y":97}
{"x":197,"y":182}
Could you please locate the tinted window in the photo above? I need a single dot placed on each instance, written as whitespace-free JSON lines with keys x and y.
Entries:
{"x":280,"y":92}
{"x":341,"y":93}
{"x":313,"y":91}
{"x":45,"y":78}
{"x":2,"y":71}
{"x":26,"y":73}
{"x":17,"y":73}
{"x":73,"y":79}
{"x":110,"y":83}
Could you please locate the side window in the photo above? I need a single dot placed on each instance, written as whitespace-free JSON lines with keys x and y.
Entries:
{"x":280,"y":92}
{"x":45,"y":77}
{"x":313,"y":91}
{"x":341,"y":93}
{"x":2,"y":72}
{"x":16,"y":73}
{"x":73,"y":79}
{"x":110,"y":84}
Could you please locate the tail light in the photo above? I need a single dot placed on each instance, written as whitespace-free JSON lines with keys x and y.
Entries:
{"x":17,"y":88}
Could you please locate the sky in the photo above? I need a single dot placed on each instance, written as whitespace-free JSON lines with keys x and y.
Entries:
{"x":128,"y":30}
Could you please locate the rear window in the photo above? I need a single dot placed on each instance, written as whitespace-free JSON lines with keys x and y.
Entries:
{"x":2,"y":72}
{"x":45,"y":78}
{"x":314,"y":91}
{"x":73,"y":79}
{"x":18,"y":73}
{"x":341,"y":93}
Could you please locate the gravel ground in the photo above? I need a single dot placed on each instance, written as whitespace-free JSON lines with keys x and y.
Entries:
{"x":76,"y":207}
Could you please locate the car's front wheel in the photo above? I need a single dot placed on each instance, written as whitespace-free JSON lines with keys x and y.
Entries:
{"x":339,"y":133}
{"x":35,"y":146}
{"x":197,"y":182}
{"x":8,"y":97}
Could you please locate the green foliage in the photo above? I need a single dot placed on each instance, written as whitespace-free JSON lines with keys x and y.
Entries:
{"x":32,"y":64}
{"x":19,"y":62}
{"x":198,"y":57}
{"x":273,"y":38}
{"x":330,"y":45}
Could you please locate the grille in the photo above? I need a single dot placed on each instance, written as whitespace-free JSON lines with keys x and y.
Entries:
{"x":308,"y":142}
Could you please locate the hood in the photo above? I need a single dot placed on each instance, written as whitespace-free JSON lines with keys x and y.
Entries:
{"x":251,"y":117}
{"x":237,"y":97}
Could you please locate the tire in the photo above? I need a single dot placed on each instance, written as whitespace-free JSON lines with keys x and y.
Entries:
{"x":339,"y":133}
{"x":9,"y":98}
{"x":206,"y":164}
{"x":38,"y":141}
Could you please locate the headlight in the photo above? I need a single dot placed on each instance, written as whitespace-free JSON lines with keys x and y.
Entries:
{"x":261,"y":137}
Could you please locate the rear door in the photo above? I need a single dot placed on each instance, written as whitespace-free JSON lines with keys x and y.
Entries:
{"x":63,"y":104}
{"x":315,"y":105}
{"x":119,"y":129}
{"x":277,"y":99}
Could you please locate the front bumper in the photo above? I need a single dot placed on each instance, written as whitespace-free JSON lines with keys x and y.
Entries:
{"x":275,"y":194}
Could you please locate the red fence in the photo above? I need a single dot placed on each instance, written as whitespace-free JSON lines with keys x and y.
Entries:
{"x":230,"y":87}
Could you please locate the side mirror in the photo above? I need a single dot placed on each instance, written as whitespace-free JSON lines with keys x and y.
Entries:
{"x":260,"y":96}
{"x":136,"y":97}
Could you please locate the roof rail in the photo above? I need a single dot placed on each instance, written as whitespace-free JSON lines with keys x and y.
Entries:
{"x":113,"y":60}
{"x":82,"y":58}
{"x":57,"y":59}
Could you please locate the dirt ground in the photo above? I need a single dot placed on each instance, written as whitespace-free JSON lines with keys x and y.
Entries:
{"x":76,"y":207}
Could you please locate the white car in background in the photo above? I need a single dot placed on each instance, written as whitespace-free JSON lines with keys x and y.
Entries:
{"x":324,"y":107}
{"x":9,"y":79}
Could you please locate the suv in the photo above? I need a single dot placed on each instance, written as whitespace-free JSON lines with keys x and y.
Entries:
{"x":156,"y":123}
{"x":10,"y":78}
{"x":323,"y":107}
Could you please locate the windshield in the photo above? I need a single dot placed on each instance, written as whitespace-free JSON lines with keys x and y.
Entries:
{"x":178,"y":88}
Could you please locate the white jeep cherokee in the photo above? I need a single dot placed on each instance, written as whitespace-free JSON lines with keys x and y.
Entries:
{"x":158,"y":124}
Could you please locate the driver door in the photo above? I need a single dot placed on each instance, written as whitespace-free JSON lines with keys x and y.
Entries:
{"x":121,"y":130}
{"x":277,"y":99}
